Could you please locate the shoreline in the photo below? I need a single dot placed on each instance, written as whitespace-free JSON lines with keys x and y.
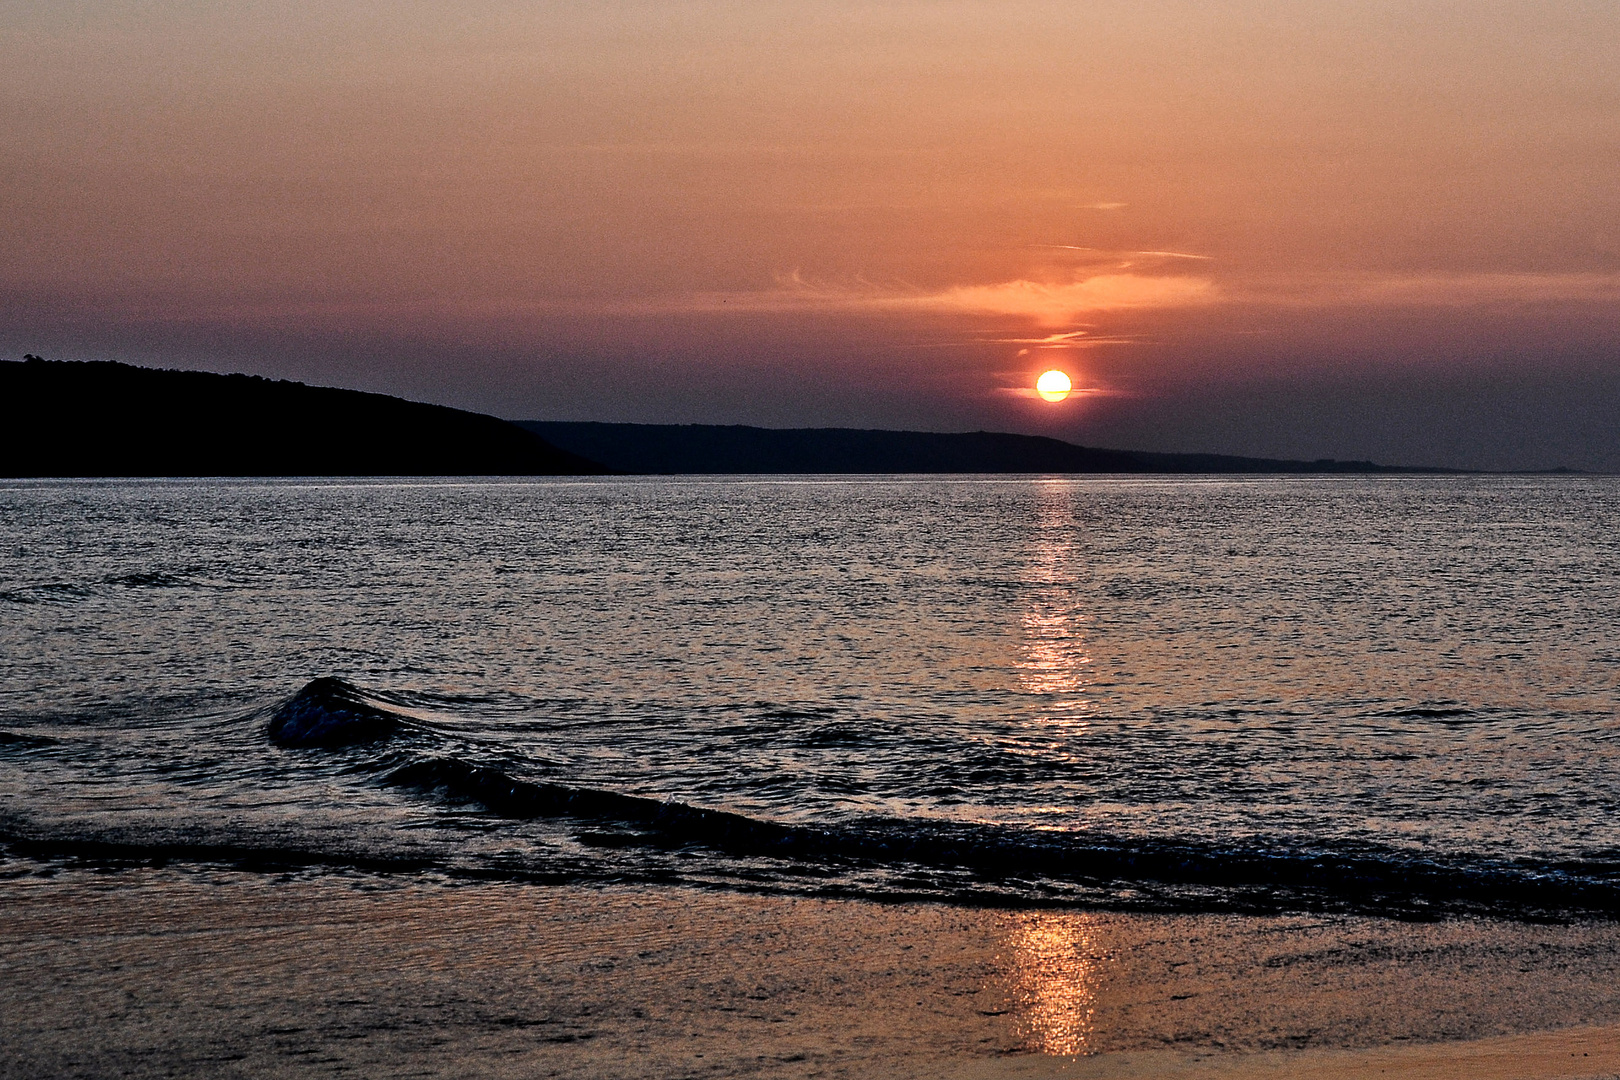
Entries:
{"x":190,"y":971}
{"x":1585,"y":1053}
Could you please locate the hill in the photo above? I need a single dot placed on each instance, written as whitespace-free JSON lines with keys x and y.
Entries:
{"x":702,"y":448}
{"x":109,"y":419}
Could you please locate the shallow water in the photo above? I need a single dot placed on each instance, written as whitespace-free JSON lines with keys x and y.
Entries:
{"x":1393,"y":695}
{"x":189,"y":971}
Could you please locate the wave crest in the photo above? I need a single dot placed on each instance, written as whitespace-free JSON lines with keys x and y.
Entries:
{"x":329,"y":713}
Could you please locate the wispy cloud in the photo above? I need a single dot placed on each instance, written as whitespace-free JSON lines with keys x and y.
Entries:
{"x":1468,"y":289}
{"x":1065,"y":302}
{"x":1065,"y":339}
{"x":1048,"y":303}
{"x":1071,"y":341}
{"x":1061,"y":308}
{"x":1111,"y":254}
{"x":1433,"y":289}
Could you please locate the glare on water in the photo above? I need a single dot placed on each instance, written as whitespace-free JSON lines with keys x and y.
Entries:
{"x":1054,"y":972}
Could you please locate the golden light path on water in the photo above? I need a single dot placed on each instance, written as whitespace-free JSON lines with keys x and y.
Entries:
{"x":1055,"y":660}
{"x":1053,"y":965}
{"x":1054,"y":974}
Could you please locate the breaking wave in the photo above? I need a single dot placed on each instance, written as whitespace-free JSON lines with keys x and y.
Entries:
{"x":375,"y":740}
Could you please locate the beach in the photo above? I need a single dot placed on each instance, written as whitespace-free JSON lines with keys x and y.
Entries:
{"x":198,"y":972}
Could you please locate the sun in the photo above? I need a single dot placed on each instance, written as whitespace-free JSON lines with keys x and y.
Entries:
{"x":1053,"y":385}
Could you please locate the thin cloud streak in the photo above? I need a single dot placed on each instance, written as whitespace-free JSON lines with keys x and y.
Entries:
{"x":1064,"y":303}
{"x":1066,"y":338}
{"x":1408,"y":291}
{"x":1116,"y":254}
{"x":1047,"y":303}
{"x":1466,"y":289}
{"x":1062,"y":313}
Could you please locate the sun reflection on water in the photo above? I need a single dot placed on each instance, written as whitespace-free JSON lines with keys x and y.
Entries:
{"x":1053,"y":978}
{"x":1055,"y":658}
{"x":1054,"y":655}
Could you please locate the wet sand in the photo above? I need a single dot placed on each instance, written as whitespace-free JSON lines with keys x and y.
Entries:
{"x":149,"y":972}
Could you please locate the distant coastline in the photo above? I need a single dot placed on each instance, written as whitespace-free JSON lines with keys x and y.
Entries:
{"x":676,"y":449}
{"x":109,"y":419}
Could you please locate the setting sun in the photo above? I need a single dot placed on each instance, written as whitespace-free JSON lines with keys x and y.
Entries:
{"x":1053,"y":385}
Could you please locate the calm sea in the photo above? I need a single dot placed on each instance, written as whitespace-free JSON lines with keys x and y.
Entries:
{"x":1394,"y":695}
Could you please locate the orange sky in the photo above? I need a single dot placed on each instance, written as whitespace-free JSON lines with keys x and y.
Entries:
{"x":1351,"y":229}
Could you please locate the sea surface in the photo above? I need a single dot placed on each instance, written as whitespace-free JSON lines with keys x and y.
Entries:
{"x":1381,"y":695}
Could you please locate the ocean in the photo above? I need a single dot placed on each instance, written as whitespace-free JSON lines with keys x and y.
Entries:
{"x":1389,"y":696}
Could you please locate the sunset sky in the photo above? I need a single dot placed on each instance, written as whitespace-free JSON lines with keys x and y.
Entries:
{"x":1306,"y":229}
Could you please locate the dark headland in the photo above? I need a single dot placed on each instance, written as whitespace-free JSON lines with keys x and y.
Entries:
{"x":108,"y":419}
{"x":703,"y":448}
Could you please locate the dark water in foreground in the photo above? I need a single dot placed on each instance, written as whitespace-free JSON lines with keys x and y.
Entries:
{"x":1388,"y":695}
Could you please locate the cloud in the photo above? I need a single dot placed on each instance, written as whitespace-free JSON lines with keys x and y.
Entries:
{"x":1054,"y":309}
{"x":1058,"y":307}
{"x":1111,"y":254}
{"x":1396,"y":290}
{"x":1062,"y":303}
{"x":1493,"y":288}
{"x":1059,"y":303}
{"x":1063,"y":339}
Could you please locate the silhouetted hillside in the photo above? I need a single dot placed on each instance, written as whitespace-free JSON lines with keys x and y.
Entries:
{"x":107,"y":419}
{"x":701,"y":448}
